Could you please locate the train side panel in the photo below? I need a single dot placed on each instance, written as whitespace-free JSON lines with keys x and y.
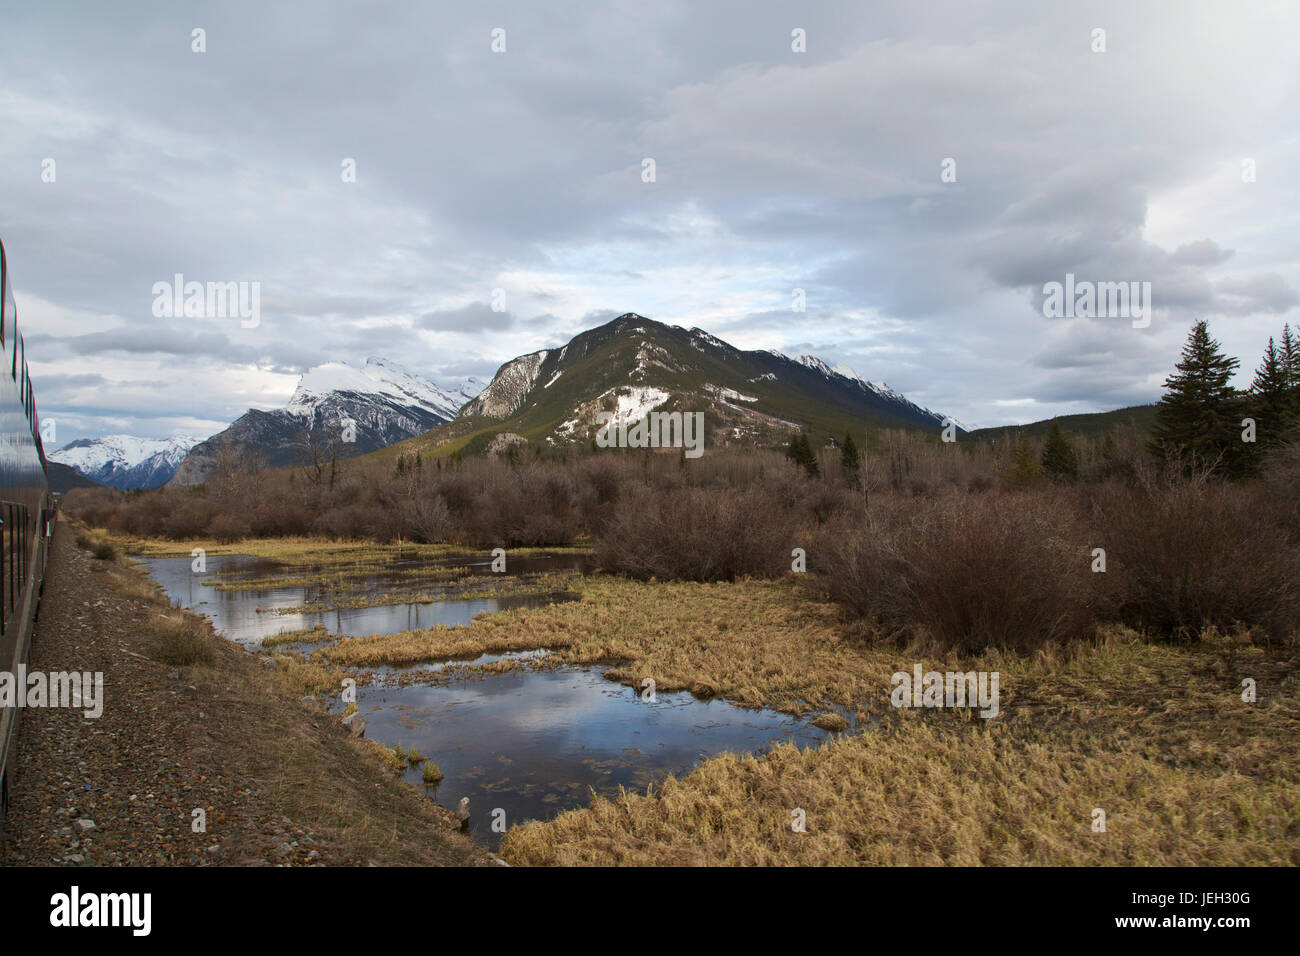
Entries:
{"x":26,"y":517}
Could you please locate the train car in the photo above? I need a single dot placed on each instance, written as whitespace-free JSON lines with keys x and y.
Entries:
{"x":26,"y":515}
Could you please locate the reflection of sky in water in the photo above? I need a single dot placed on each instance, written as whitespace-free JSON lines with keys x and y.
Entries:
{"x":533,"y":742}
{"x":235,"y":613}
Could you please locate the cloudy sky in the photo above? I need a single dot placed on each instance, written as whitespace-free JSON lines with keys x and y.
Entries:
{"x":522,"y":171}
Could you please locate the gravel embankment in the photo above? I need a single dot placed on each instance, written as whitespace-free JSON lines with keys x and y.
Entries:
{"x":280,"y":783}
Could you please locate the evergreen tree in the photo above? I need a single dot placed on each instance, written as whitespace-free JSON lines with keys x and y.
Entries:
{"x":1289,"y":355}
{"x":1198,"y":416}
{"x":801,"y":453}
{"x":1059,"y":459}
{"x":1024,"y":469}
{"x":1271,"y":402}
{"x":850,"y":457}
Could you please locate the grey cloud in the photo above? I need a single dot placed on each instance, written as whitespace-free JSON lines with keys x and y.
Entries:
{"x":475,"y":317}
{"x":817,"y":170}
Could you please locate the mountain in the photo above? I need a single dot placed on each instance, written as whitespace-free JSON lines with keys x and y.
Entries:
{"x":124,"y":461}
{"x":63,"y":478}
{"x":634,"y":365}
{"x":384,"y":403}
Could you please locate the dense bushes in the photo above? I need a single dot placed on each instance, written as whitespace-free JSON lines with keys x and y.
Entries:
{"x":964,"y":556}
{"x":967,"y":572}
{"x":1188,"y":554}
{"x":698,"y":534}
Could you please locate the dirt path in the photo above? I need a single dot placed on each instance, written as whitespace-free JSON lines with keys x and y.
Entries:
{"x":278,"y":781}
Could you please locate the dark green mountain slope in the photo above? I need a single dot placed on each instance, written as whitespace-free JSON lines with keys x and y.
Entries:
{"x":633,"y":365}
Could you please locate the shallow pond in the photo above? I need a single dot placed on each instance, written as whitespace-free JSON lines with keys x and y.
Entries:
{"x":535,"y":742}
{"x":528,"y":742}
{"x":236,"y":614}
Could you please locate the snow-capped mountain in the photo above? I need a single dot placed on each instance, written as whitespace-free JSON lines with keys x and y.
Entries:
{"x":632,"y":365}
{"x":379,"y":377}
{"x":353,"y":410}
{"x":125,"y":461}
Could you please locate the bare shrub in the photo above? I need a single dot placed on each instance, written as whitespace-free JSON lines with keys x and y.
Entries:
{"x":229,"y":526}
{"x":1197,"y":553}
{"x":430,"y":518}
{"x":697,"y":534}
{"x":967,"y":572}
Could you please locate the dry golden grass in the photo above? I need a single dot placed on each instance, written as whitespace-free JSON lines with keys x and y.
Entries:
{"x":181,"y":639}
{"x":1155,"y":735}
{"x":306,"y":551}
{"x":756,"y":643}
{"x":923,"y":795}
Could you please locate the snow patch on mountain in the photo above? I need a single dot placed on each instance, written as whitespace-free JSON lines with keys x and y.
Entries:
{"x":883,"y":389}
{"x":730,"y":394}
{"x":379,"y":377}
{"x":635,"y":403}
{"x":125,"y":461}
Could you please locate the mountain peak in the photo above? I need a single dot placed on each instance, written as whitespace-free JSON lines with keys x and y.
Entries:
{"x":125,"y":461}
{"x":378,"y":376}
{"x":753,"y":396}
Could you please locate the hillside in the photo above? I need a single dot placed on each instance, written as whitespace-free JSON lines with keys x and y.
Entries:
{"x":64,"y":478}
{"x":1141,"y":417}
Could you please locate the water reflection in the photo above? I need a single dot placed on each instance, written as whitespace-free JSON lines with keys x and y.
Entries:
{"x":236,"y":614}
{"x":534,"y":743}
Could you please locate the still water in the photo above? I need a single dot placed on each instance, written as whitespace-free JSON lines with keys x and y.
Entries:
{"x":521,"y":745}
{"x":250,"y":616}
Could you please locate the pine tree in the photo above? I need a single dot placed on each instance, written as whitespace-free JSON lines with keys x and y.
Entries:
{"x":850,"y":457}
{"x":801,"y":453}
{"x":813,"y":466}
{"x":1197,"y":419}
{"x":1024,"y":469}
{"x":1271,"y":402}
{"x":1290,"y":358}
{"x":1059,"y":459}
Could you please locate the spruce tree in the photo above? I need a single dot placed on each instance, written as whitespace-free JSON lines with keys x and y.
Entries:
{"x":813,"y":466}
{"x":1271,"y":400}
{"x":1023,"y":469}
{"x":1059,"y":459}
{"x":1289,"y":355}
{"x":850,"y":457}
{"x":801,"y":453}
{"x":1197,"y":418}
{"x":792,"y":451}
